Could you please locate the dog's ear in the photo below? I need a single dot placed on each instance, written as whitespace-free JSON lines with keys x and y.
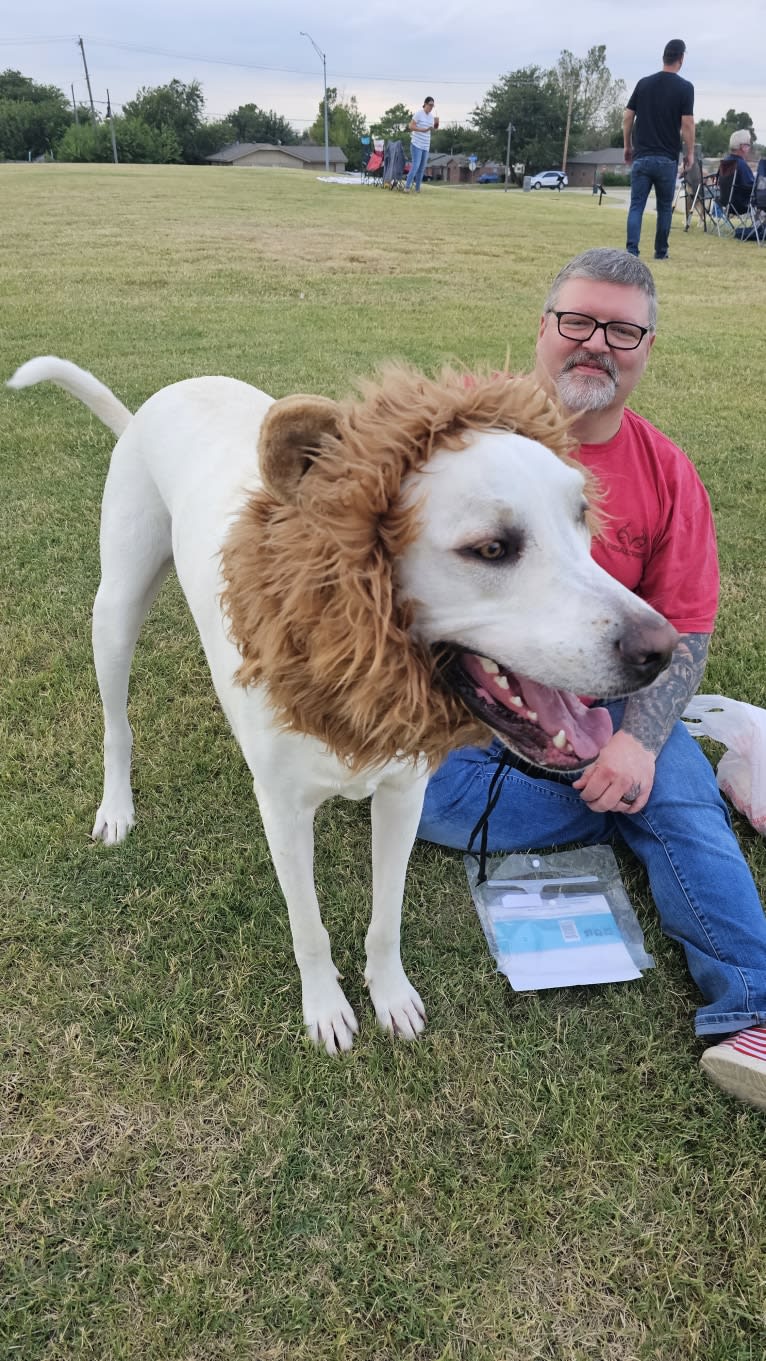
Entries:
{"x":290,"y":440}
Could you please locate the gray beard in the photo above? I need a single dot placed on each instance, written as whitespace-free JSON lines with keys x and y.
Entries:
{"x":579,"y":393}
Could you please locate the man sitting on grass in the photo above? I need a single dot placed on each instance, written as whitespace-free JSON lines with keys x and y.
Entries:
{"x":651,"y":785}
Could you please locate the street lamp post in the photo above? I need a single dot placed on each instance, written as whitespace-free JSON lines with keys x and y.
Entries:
{"x":321,"y":54}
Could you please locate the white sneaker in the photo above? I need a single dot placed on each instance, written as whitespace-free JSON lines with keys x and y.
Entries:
{"x":738,"y":1065}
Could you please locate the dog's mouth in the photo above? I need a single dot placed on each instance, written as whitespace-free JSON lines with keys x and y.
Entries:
{"x":549,"y":728}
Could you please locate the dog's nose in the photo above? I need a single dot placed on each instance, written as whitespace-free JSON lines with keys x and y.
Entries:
{"x":646,"y":649}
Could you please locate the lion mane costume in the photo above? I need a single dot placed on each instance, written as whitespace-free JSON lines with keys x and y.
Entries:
{"x":309,"y":565}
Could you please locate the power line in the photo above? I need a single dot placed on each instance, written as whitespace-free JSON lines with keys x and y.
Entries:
{"x":246,"y":66}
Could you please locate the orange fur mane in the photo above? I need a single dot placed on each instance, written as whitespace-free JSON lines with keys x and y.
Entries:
{"x":309,"y":580}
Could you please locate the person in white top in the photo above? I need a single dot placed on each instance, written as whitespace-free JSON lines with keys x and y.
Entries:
{"x":420,"y":127}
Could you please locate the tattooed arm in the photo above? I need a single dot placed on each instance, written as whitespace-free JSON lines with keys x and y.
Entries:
{"x":621,"y":777}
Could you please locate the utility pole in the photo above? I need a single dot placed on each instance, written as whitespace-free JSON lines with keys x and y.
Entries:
{"x":111,"y":126}
{"x":321,"y":54}
{"x":74,"y":108}
{"x":508,"y":159}
{"x":569,"y":124}
{"x":87,"y":81}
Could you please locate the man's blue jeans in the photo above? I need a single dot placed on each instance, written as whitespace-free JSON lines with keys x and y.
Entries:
{"x":658,"y":173}
{"x":700,"y":882}
{"x":419,"y":161}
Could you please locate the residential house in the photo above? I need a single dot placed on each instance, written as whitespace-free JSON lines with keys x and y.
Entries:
{"x":300,"y":156}
{"x":587,"y":167}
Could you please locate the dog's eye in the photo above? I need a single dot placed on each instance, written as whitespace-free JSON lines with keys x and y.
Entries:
{"x":494,"y":551}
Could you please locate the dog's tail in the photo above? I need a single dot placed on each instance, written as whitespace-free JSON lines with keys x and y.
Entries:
{"x":94,"y":394}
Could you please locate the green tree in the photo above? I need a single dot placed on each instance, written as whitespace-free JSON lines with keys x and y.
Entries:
{"x":531,"y":99}
{"x":175,"y":107}
{"x":136,"y":142}
{"x":211,"y":137}
{"x":394,"y":124}
{"x":252,"y":124}
{"x":85,"y":142}
{"x":597,"y":98}
{"x":714,"y":137}
{"x":346,"y":126}
{"x":32,"y":117}
{"x":458,"y":140}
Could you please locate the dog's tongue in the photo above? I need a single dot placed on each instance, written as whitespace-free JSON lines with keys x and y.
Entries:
{"x":588,"y":730}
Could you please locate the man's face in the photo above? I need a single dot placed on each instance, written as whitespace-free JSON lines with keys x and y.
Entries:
{"x":428,"y":106}
{"x":591,"y":375}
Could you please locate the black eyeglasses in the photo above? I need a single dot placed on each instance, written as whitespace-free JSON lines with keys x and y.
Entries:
{"x":620,"y":335}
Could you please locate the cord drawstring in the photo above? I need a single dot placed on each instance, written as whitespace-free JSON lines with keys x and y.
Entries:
{"x":505,"y":762}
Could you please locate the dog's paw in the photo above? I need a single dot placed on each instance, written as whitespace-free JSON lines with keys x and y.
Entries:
{"x":329,"y":1017}
{"x":113,"y":824}
{"x":397,"y":1004}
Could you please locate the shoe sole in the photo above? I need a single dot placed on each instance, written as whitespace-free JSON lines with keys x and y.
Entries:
{"x":736,"y":1074}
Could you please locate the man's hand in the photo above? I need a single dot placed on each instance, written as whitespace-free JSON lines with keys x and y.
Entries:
{"x":622,"y":768}
{"x":625,"y":766}
{"x":628,"y":155}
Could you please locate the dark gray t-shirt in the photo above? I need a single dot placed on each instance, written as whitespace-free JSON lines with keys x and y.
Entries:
{"x":659,"y":103}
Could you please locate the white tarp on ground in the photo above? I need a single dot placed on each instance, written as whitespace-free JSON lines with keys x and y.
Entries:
{"x":340,"y":179}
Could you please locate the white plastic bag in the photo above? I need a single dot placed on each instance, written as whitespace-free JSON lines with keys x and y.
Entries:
{"x":741,"y":770}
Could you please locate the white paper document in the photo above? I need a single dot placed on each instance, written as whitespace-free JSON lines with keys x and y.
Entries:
{"x":546,"y":938}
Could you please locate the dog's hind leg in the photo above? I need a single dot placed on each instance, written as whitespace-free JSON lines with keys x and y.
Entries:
{"x":396,"y":808}
{"x":136,"y":555}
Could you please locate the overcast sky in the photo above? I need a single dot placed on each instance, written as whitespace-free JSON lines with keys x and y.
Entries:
{"x":382,"y":51}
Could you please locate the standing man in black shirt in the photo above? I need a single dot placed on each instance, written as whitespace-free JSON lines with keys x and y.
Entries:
{"x":660,"y":112}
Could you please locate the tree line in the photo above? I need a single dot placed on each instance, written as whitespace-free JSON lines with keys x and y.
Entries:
{"x":533,"y":110}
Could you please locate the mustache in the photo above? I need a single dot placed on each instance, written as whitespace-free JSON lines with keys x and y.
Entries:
{"x":599,"y":361}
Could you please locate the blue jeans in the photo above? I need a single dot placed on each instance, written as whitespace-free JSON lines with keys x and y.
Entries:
{"x":701,"y":885}
{"x":658,"y":173}
{"x":419,"y":159}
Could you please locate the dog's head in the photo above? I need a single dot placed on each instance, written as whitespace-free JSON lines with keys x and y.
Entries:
{"x":416,"y":575}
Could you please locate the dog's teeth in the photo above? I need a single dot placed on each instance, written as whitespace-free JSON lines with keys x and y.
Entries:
{"x":487,"y":664}
{"x":518,"y":701}
{"x":502,"y":683}
{"x":531,"y":715}
{"x":560,"y":740}
{"x":569,"y":748}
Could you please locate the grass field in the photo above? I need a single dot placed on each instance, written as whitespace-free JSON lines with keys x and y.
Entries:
{"x":541,"y":1176}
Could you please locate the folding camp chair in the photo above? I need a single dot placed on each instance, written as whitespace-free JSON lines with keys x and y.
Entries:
{"x":736,"y":209}
{"x":695,"y":197}
{"x":393,"y":166}
{"x":758,"y":202}
{"x":372,"y":171}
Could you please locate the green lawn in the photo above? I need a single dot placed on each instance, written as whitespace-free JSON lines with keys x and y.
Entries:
{"x":184,"y":1178}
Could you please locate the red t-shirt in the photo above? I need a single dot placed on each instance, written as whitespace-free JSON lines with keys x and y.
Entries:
{"x":658,"y":537}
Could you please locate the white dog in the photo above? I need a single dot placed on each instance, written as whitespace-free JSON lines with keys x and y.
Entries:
{"x":408,"y":572}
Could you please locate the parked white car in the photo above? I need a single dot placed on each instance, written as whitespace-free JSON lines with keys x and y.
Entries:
{"x":549,"y":179}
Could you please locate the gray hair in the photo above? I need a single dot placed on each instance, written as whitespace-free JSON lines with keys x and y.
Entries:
{"x":739,"y":138}
{"x":606,"y":265}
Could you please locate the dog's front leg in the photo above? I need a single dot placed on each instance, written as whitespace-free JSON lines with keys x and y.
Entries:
{"x":396,"y":809}
{"x":329,"y":1017}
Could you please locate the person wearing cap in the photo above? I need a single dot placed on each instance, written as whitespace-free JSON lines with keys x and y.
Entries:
{"x":735,"y":173}
{"x":659,"y":113}
{"x":422,"y":123}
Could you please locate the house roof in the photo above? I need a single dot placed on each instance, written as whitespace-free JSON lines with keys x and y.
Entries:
{"x":301,"y":152}
{"x":608,"y":155}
